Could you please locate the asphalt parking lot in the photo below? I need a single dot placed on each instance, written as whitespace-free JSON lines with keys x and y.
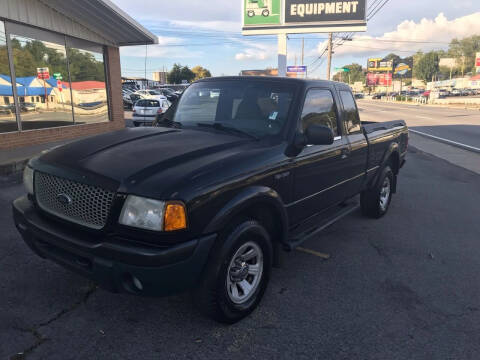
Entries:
{"x":403,"y":287}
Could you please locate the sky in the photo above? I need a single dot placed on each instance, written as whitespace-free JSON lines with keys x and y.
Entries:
{"x":194,"y":32}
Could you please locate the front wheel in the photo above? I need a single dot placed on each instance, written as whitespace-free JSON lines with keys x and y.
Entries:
{"x":237,"y":273}
{"x":376,"y":201}
{"x":251,"y":13}
{"x":265,"y":13}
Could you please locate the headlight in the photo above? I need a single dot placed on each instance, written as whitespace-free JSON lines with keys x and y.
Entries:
{"x":28,"y":179}
{"x":153,"y":214}
{"x":143,"y":213}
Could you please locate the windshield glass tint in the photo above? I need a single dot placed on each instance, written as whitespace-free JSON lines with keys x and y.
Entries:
{"x":259,"y":108}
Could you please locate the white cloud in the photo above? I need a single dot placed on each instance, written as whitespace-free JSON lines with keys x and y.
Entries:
{"x":438,"y":32}
{"x":166,"y":47}
{"x":225,"y":26}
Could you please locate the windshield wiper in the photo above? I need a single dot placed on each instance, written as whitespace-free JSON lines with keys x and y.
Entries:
{"x":230,"y":129}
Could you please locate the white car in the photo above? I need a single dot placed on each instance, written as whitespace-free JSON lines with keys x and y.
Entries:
{"x":150,"y":94}
{"x":146,"y":110}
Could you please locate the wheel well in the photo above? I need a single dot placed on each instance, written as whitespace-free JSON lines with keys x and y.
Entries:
{"x":265,"y":214}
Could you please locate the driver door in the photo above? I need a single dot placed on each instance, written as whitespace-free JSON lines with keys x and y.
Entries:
{"x":319,"y":169}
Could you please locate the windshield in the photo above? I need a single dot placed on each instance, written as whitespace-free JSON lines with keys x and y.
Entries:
{"x":255,"y":107}
{"x":153,"y":92}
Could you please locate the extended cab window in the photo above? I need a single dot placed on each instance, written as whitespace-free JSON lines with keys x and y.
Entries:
{"x":352,"y":121}
{"x":259,"y":108}
{"x":319,"y":109}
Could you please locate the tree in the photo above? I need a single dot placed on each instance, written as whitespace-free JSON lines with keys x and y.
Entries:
{"x":180,"y":73}
{"x":464,"y":51}
{"x":355,"y":74}
{"x":201,"y":73}
{"x":426,"y":66}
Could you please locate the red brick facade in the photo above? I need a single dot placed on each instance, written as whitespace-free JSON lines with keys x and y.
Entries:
{"x":40,"y":136}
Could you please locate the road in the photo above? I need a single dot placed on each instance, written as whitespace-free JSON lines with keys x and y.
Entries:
{"x":454,"y":124}
{"x":402,"y":287}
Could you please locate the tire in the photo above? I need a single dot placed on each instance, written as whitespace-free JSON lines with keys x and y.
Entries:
{"x":227,"y":270}
{"x":376,"y":201}
{"x":251,"y":13}
{"x":265,"y":13}
{"x":136,"y":124}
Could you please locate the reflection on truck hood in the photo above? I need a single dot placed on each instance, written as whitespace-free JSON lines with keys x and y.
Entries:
{"x":131,"y":156}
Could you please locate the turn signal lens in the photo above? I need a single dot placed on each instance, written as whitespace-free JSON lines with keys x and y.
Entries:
{"x":175,"y":217}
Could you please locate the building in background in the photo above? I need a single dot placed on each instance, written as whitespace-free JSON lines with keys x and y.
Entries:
{"x":60,"y":68}
{"x":266,"y":72}
{"x":160,"y":77}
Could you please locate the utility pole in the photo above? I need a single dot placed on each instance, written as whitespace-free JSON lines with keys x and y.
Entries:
{"x":282,"y":54}
{"x":329,"y":62}
{"x":303,"y":54}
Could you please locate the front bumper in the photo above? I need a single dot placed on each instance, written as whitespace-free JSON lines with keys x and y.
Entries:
{"x":117,"y":267}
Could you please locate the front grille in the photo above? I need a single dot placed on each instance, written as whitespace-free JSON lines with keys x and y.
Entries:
{"x":79,"y":203}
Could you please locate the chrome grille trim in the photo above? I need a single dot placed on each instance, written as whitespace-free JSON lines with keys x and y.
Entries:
{"x":89,"y":205}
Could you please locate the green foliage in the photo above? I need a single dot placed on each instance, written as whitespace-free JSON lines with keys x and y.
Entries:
{"x":426,"y":66}
{"x":464,"y":51}
{"x":355,"y":74}
{"x":200,"y":72}
{"x":34,"y":54}
{"x":180,"y":73}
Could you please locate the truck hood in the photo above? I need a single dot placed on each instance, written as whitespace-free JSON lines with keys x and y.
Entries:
{"x":131,"y":156}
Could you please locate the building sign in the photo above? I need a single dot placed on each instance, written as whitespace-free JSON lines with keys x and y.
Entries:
{"x":43,"y":73}
{"x":296,"y":69}
{"x":376,"y":79}
{"x":262,"y":17}
{"x":380,"y":65}
{"x":302,"y":11}
{"x":262,"y":12}
{"x":403,"y":69}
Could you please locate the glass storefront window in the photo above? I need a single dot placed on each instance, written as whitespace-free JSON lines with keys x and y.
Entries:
{"x":8,"y":120}
{"x":89,"y":88}
{"x":33,"y":50}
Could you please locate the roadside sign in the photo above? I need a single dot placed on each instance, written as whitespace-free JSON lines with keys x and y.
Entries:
{"x":263,"y":17}
{"x":342,"y":69}
{"x":58,"y":76}
{"x":43,"y":73}
{"x":296,"y":69}
{"x":477,"y":61}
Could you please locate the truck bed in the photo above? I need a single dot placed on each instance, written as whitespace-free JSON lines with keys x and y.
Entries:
{"x":372,"y":126}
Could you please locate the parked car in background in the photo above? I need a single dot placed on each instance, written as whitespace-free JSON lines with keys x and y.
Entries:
{"x":456,"y":92}
{"x":359,"y":96}
{"x":378,"y":95}
{"x":168,"y":93}
{"x":5,"y":110}
{"x":146,"y":110}
{"x":27,"y":106}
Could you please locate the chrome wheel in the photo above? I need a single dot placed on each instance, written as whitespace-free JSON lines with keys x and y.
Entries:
{"x":244,"y":272}
{"x":385,"y":194}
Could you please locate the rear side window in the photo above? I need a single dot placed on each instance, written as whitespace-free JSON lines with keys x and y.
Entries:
{"x":352,"y":121}
{"x":152,"y":103}
{"x":319,"y":109}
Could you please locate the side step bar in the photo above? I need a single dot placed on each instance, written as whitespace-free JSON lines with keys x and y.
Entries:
{"x":343,"y":211}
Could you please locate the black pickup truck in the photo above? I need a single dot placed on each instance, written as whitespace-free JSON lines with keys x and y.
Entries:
{"x":238,"y":170}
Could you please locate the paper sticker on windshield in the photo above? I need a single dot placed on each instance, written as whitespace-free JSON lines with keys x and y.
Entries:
{"x":273,"y":115}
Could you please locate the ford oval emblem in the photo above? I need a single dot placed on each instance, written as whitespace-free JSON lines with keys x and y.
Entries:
{"x":64,"y":199}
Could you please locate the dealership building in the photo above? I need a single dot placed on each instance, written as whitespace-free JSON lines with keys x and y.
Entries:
{"x":60,"y":75}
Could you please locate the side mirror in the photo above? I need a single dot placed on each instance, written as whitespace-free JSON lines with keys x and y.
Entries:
{"x":318,"y":135}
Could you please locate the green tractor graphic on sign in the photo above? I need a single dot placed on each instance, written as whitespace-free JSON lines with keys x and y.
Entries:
{"x":259,"y":7}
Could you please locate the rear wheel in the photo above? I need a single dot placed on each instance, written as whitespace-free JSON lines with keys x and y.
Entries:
{"x":251,"y":13}
{"x":375,"y":202}
{"x":265,"y":12}
{"x":237,"y":273}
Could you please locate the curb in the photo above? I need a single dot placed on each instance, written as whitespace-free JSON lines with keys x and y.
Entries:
{"x":446,"y":141}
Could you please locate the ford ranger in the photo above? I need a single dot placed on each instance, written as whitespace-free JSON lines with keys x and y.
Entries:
{"x":238,"y":170}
